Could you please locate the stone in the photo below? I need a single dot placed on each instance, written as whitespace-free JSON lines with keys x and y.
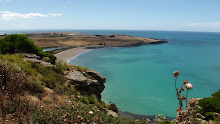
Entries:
{"x":35,"y":59}
{"x":76,"y":76}
{"x":96,"y":75}
{"x":38,"y":61}
{"x":31,"y":55}
{"x":48,"y":90}
{"x":84,"y":84}
{"x":112,"y":113}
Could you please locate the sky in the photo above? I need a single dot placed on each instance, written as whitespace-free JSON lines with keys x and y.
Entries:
{"x":171,"y":15}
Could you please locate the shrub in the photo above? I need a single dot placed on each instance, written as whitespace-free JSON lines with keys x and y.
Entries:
{"x":46,"y":59}
{"x":84,"y":100}
{"x":49,"y":77}
{"x":216,"y":94}
{"x":210,"y":105}
{"x":61,"y":66}
{"x":20,"y":43}
{"x":82,"y":69}
{"x":11,"y":83}
{"x":93,"y":99}
{"x":113,"y":107}
{"x":19,"y":111}
{"x":64,"y":89}
{"x":33,"y":86}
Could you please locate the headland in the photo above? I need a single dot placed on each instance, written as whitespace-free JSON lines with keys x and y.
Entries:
{"x":73,"y":43}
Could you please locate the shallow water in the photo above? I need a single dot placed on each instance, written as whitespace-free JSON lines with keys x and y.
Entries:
{"x":53,"y":48}
{"x":139,"y":79}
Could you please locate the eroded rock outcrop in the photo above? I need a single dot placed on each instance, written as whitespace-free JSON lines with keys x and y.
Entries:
{"x":35,"y":59}
{"x":90,"y":81}
{"x":96,"y":75}
{"x":76,"y":77}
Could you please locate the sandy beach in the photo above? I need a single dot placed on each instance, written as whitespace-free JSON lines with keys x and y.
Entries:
{"x":70,"y":53}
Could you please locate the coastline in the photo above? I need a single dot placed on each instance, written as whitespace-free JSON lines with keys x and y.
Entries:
{"x":86,"y":50}
{"x":140,"y":117}
{"x":71,"y":53}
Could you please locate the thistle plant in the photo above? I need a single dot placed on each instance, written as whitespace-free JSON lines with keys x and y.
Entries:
{"x":187,"y":114}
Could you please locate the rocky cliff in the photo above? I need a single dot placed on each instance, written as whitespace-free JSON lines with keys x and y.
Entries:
{"x":88,"y":81}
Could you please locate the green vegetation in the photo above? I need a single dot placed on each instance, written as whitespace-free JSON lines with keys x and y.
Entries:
{"x":210,"y":107}
{"x":22,"y":111}
{"x":82,"y":69}
{"x":93,"y":100}
{"x":19,"y":43}
{"x":24,"y":99}
{"x":113,"y":107}
{"x":35,"y":72}
{"x":160,"y":119}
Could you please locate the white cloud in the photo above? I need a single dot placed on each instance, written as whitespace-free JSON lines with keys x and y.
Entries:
{"x":204,"y":25}
{"x":7,"y":15}
{"x":54,"y":14}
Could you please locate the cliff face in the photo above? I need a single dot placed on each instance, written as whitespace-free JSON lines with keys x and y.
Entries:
{"x":88,"y":81}
{"x":85,"y":80}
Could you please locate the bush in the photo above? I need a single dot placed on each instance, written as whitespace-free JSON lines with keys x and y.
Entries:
{"x":61,"y":66}
{"x":46,"y":59}
{"x":210,"y":105}
{"x":11,"y":83}
{"x":93,"y":100}
{"x":113,"y":107}
{"x":217,"y":94}
{"x":33,"y":85}
{"x":84,"y":100}
{"x":20,"y":43}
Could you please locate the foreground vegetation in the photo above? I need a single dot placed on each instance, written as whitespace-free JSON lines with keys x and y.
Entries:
{"x":210,"y":107}
{"x":194,"y":110}
{"x":31,"y":92}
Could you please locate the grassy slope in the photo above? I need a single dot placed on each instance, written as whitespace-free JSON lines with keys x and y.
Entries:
{"x":44,"y":97}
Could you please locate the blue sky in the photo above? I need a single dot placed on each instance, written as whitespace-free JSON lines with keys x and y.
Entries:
{"x":177,"y":15}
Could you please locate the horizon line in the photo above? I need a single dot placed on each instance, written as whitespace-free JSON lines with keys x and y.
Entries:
{"x":111,"y":29}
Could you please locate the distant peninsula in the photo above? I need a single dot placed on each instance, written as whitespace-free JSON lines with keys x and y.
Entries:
{"x":71,"y":44}
{"x":75,"y":39}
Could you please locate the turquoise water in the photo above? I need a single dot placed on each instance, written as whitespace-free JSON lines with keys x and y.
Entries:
{"x":139,"y":79}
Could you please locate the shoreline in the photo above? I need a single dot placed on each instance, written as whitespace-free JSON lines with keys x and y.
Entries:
{"x":70,"y":54}
{"x":140,"y":117}
{"x":80,"y":53}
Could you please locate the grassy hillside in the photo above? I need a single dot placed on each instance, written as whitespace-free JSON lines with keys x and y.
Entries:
{"x":32,"y":92}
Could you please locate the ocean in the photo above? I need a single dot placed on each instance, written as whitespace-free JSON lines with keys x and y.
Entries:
{"x":139,"y":79}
